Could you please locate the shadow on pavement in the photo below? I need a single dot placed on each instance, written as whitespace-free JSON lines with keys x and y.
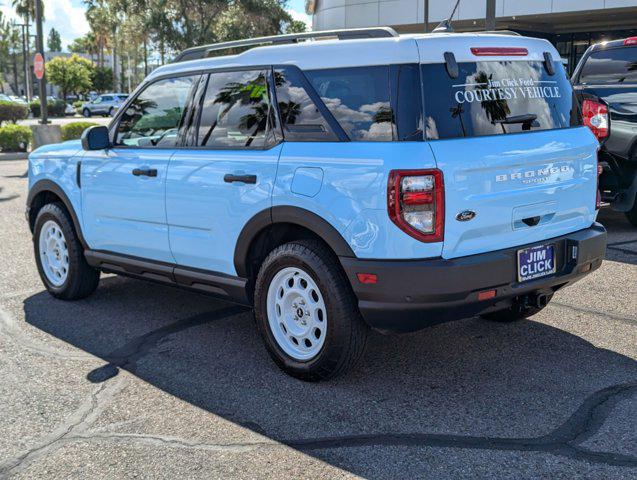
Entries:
{"x":470,"y":384}
{"x":622,"y":236}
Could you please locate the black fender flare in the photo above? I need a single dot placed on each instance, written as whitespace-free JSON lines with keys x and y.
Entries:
{"x":46,"y":185}
{"x":291,"y":215}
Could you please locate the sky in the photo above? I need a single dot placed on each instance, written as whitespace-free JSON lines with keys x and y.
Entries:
{"x":67,"y":17}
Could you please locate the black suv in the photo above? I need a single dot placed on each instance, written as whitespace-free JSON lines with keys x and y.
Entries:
{"x":605,"y":82}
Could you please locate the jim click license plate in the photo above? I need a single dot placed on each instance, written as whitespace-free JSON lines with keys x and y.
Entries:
{"x":536,"y":262}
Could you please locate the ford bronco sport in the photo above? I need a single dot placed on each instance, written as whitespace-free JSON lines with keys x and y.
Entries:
{"x":361,"y":180}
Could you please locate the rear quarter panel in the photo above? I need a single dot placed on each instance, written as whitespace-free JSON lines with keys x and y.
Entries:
{"x":352,"y":195}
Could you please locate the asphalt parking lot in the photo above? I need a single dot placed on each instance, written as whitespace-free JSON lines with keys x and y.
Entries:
{"x":144,"y":381}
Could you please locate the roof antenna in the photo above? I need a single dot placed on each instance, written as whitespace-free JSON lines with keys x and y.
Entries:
{"x":445,"y":25}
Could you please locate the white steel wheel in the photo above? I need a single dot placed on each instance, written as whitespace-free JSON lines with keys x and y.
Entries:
{"x":54,"y":253}
{"x":296,"y":313}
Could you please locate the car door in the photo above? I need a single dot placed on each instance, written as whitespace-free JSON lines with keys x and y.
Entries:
{"x":97,"y":107}
{"x":123,"y":187}
{"x":227,"y":177}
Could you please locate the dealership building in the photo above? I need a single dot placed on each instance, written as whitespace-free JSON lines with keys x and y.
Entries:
{"x":571,"y":25}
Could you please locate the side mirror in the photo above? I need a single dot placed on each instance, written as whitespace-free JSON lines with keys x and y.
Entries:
{"x":95,"y":138}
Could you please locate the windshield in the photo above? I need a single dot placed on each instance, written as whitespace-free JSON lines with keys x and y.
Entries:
{"x":496,"y":97}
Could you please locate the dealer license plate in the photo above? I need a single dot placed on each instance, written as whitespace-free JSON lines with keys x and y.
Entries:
{"x":536,"y":262}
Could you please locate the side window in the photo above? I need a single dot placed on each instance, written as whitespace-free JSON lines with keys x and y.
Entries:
{"x":236,"y":110}
{"x":154,"y":116}
{"x":359,"y":99}
{"x":106,"y":98}
{"x":302,"y":120}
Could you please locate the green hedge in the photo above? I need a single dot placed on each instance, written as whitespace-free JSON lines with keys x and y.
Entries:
{"x":55,"y":108}
{"x":73,"y":131}
{"x":77,"y":105}
{"x":12,"y":112}
{"x":14,"y":138}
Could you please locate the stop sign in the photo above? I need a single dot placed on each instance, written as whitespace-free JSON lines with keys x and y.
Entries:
{"x":38,"y":66}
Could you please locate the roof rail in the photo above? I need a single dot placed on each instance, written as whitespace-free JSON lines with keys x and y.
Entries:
{"x":203,"y":51}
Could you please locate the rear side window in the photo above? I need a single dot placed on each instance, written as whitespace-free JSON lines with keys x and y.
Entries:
{"x":301,"y":117}
{"x":617,"y":65}
{"x":358,"y":98}
{"x":496,"y":97}
{"x":236,"y":110}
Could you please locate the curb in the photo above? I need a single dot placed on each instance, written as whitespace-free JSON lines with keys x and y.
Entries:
{"x":14,"y":156}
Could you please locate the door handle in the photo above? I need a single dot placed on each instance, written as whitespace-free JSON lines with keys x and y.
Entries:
{"x":229,"y":178}
{"x":146,"y":172}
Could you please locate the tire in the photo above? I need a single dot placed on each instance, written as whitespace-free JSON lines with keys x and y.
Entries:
{"x":86,"y":113}
{"x":59,"y":255}
{"x":515,"y":312}
{"x":631,"y":214}
{"x":332,"y":324}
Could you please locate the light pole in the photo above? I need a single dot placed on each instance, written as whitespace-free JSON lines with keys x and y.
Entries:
{"x":426,"y":16}
{"x":25,"y":59}
{"x":39,"y":45}
{"x":489,"y":24}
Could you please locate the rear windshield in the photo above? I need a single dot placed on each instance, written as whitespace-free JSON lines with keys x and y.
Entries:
{"x":617,"y":65}
{"x":496,"y":97}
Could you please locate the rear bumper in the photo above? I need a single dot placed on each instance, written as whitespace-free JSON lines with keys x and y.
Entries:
{"x":413,"y":294}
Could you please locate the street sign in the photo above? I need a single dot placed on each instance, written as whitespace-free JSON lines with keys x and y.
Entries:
{"x":38,"y":66}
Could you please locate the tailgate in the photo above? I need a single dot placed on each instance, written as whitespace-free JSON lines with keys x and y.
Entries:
{"x":523,"y":188}
{"x":504,"y":126}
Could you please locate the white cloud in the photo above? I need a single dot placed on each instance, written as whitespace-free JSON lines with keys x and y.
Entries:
{"x":302,"y":16}
{"x":66,"y":16}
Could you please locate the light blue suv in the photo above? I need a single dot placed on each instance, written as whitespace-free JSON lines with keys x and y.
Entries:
{"x":363,"y":180}
{"x":105,"y":104}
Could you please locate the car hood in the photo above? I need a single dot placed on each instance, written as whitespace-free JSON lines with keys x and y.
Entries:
{"x":64,"y":149}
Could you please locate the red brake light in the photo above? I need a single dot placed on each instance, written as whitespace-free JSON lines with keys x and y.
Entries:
{"x":630,"y":41}
{"x":499,"y":51}
{"x":415,"y":201}
{"x":595,"y":116}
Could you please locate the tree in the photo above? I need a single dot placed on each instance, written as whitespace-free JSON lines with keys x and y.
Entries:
{"x":296,"y":26}
{"x":54,"y":42}
{"x":10,"y":48}
{"x":102,"y":79}
{"x":72,"y":74}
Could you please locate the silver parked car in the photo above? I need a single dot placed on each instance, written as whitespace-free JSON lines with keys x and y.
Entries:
{"x":106,"y":104}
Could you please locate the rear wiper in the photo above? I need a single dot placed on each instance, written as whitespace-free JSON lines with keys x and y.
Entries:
{"x":526,"y":118}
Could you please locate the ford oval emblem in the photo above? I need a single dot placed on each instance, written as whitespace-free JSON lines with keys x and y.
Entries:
{"x":465,"y":215}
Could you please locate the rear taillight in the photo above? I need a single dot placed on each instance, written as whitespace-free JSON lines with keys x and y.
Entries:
{"x":415,"y":200}
{"x":630,"y":41}
{"x":595,"y":116}
{"x":499,"y":51}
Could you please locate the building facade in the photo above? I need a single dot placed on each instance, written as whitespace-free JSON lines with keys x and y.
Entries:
{"x":571,"y":25}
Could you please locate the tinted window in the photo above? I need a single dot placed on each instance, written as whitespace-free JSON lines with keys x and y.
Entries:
{"x":618,"y":65}
{"x":301,"y":118}
{"x":496,"y":97}
{"x":236,"y":110}
{"x":106,"y":98}
{"x":406,"y":100}
{"x":359,"y":100}
{"x":154,"y":116}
